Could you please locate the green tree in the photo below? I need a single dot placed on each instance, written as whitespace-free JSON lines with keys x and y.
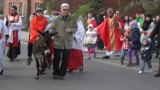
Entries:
{"x":96,"y":5}
{"x":48,"y":5}
{"x":151,"y":6}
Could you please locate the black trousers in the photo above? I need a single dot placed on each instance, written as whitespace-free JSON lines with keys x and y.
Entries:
{"x":29,"y":47}
{"x":100,"y":44}
{"x":159,"y":63}
{"x":60,"y":62}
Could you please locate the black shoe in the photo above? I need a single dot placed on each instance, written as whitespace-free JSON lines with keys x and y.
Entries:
{"x":1,"y":73}
{"x":105,"y":57}
{"x":135,"y":64}
{"x":81,"y":68}
{"x":70,"y":71}
{"x":61,"y":77}
{"x":156,"y":56}
{"x":29,"y":60}
{"x":157,"y":75}
{"x":129,"y":65}
{"x":55,"y":76}
{"x":11,"y":60}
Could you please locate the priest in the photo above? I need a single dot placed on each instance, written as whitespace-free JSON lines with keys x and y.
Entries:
{"x":110,"y":31}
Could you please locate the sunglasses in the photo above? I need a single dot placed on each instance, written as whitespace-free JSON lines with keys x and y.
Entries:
{"x":90,"y":27}
{"x":65,"y":9}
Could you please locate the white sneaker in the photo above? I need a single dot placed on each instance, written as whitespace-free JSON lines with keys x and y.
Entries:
{"x":140,"y":72}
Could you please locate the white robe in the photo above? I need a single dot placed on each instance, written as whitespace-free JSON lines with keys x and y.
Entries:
{"x":79,"y":36}
{"x":3,"y":31}
{"x":14,"y":26}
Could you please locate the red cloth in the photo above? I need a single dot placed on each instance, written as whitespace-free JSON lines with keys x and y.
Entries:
{"x":37,"y":23}
{"x":75,"y":60}
{"x":15,"y":38}
{"x":104,"y":32}
{"x":0,"y":36}
{"x":93,"y":21}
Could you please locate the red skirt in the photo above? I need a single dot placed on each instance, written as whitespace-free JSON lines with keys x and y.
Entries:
{"x":75,"y":60}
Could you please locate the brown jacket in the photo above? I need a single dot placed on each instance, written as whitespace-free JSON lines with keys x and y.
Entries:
{"x":63,"y":40}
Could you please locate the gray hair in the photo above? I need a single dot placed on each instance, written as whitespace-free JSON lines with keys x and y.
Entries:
{"x":110,"y":10}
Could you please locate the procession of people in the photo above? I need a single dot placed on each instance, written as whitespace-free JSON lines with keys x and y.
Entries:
{"x":112,"y":33}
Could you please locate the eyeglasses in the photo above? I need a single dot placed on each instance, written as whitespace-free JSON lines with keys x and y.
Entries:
{"x":65,"y":9}
{"x":90,"y":27}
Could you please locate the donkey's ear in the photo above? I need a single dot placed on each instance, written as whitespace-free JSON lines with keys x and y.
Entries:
{"x":41,"y":33}
{"x":53,"y":33}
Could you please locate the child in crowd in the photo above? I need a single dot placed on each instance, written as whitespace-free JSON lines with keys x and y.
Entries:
{"x":135,"y":43}
{"x":146,"y":55}
{"x":90,"y":41}
{"x":126,"y":38}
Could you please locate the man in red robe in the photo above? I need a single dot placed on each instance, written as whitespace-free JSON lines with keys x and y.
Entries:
{"x":13,"y":22}
{"x":110,"y":32}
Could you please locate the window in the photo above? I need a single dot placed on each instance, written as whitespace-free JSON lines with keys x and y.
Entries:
{"x":21,"y":8}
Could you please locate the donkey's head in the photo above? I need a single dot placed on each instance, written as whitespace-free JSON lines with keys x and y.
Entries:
{"x":46,"y":39}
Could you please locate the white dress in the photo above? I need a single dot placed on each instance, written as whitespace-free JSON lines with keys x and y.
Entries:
{"x":79,"y":36}
{"x":3,"y":32}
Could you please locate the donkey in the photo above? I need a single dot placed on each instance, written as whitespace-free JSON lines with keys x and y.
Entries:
{"x":41,"y":49}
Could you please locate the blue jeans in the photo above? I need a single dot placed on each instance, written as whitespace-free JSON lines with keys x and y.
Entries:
{"x":143,"y":64}
{"x":124,"y":52}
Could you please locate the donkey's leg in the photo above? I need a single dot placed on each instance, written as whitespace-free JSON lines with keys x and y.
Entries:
{"x":44,"y":64}
{"x":37,"y":66}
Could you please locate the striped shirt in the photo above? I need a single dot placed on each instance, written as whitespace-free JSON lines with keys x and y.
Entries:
{"x":125,"y":42}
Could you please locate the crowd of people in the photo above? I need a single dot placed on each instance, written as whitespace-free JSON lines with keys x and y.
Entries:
{"x":107,"y":30}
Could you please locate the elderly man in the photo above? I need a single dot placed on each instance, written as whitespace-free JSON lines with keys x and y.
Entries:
{"x":109,"y":31}
{"x":3,"y":39}
{"x":14,"y":22}
{"x":62,"y":41}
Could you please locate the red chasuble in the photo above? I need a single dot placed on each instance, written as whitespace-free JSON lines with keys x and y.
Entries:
{"x":110,"y":34}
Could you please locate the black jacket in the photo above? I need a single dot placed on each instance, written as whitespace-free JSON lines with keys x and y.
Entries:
{"x":135,"y":37}
{"x":156,"y":31}
{"x":146,"y":52}
{"x":100,"y":19}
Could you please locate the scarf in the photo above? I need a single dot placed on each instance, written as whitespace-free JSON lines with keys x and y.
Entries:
{"x":37,"y":23}
{"x":146,"y":25}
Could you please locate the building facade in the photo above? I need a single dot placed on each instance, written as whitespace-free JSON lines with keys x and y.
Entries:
{"x":23,"y":6}
{"x":2,"y":6}
{"x":26,"y":7}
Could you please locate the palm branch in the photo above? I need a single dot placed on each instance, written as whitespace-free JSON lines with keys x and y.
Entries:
{"x":81,"y":11}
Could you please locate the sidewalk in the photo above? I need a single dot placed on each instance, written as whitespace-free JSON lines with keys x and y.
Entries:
{"x":113,"y":60}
